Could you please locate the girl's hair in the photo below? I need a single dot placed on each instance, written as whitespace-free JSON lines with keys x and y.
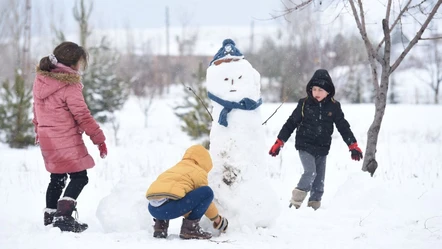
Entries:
{"x":68,"y":54}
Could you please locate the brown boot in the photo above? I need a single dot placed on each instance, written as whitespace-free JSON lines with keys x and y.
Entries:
{"x":190,"y":229}
{"x":48,"y":216}
{"x":298,"y":197}
{"x":160,"y":228}
{"x":314,"y":204}
{"x":63,"y":216}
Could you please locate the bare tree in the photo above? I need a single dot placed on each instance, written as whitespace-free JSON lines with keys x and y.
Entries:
{"x":186,"y":47}
{"x":288,"y":60}
{"x":433,"y":66}
{"x":145,"y":102}
{"x":381,"y":63}
{"x":12,"y":28}
{"x":5,"y":8}
{"x":135,"y":67}
{"x":26,"y":48}
{"x":188,"y":39}
{"x":81,"y":15}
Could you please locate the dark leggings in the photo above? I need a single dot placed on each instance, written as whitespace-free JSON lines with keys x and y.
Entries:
{"x":57,"y":184}
{"x":196,"y":202}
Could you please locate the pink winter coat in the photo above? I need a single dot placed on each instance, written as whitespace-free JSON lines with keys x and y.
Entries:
{"x":60,"y":117}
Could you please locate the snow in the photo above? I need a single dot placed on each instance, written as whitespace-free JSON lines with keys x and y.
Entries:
{"x":400,"y":207}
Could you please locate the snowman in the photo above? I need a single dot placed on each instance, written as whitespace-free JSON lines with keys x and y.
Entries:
{"x":239,"y":176}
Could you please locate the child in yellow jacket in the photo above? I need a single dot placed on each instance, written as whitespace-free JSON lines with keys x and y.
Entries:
{"x":183,"y":191}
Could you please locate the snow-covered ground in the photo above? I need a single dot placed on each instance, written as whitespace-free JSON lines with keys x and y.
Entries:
{"x":400,"y":207}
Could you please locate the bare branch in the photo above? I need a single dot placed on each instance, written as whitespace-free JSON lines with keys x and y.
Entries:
{"x":418,"y":5}
{"x":299,"y":6}
{"x":399,"y":16}
{"x":388,"y":10}
{"x":422,"y":195}
{"x":431,"y":38}
{"x":265,"y":122}
{"x":201,"y":101}
{"x":361,"y":10}
{"x":416,"y":37}
{"x":362,"y":219}
{"x":372,"y":54}
{"x":288,"y":9}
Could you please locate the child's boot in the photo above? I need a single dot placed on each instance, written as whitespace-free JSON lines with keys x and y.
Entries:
{"x":190,"y":229}
{"x":314,"y":204}
{"x":160,"y":228}
{"x":63,"y":216}
{"x":298,"y":197}
{"x":48,"y":216}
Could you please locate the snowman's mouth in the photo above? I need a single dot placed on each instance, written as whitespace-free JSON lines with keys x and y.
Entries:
{"x":232,"y":91}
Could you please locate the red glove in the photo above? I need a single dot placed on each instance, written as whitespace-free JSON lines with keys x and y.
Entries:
{"x":103,"y":150}
{"x":356,"y":152}
{"x":274,"y":151}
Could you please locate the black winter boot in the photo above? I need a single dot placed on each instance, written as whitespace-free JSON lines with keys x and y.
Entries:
{"x":48,"y":216}
{"x":63,"y":216}
{"x":160,"y":228}
{"x":190,"y":229}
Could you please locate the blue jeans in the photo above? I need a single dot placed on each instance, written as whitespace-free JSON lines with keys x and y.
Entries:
{"x":196,"y":202}
{"x":314,"y":174}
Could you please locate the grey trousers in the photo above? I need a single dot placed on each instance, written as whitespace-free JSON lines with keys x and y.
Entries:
{"x":312,"y":180}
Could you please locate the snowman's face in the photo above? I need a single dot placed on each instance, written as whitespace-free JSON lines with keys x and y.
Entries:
{"x":234,"y":81}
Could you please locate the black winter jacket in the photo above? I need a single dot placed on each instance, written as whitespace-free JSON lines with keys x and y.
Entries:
{"x":314,"y":122}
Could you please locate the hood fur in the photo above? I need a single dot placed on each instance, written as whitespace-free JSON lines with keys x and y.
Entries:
{"x":47,"y":83}
{"x":68,"y":78}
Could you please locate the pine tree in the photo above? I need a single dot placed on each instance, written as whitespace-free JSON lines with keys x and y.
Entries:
{"x":104,"y":91}
{"x":196,"y":118}
{"x":15,"y":106}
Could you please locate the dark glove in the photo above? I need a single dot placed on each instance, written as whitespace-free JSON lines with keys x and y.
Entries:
{"x":274,"y":151}
{"x":356,"y":152}
{"x":222,"y":225}
{"x":103,"y":150}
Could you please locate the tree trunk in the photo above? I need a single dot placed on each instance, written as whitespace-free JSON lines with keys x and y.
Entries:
{"x":370,"y":164}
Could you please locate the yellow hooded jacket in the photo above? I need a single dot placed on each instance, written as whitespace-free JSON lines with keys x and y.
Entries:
{"x":188,"y":174}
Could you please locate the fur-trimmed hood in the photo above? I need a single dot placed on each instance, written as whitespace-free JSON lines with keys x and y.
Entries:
{"x":46,"y":83}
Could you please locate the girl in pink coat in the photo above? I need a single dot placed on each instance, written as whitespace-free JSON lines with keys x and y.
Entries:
{"x":61,"y":116}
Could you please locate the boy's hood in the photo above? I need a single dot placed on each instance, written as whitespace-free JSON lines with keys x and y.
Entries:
{"x":321,"y":76}
{"x":200,"y":156}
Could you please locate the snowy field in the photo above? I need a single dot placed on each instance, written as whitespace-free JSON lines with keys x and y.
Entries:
{"x":400,"y":207}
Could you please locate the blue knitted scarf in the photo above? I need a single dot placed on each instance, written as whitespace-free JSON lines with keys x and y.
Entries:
{"x":244,"y":104}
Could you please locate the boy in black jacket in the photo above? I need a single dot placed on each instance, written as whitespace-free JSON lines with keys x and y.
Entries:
{"x":313,"y":118}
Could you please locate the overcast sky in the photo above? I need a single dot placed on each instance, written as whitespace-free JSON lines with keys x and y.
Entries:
{"x":151,"y":13}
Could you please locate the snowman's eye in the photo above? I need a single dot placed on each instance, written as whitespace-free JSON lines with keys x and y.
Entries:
{"x":226,"y":79}
{"x":240,"y":77}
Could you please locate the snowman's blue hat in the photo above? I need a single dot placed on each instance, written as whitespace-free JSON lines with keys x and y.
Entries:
{"x":227,"y":51}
